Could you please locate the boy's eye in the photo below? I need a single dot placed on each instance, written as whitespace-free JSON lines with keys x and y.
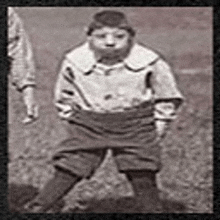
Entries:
{"x":100,"y":36}
{"x":119,"y":36}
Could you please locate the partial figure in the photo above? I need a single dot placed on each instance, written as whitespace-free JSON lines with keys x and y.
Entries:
{"x":21,"y":64}
{"x":115,"y":94}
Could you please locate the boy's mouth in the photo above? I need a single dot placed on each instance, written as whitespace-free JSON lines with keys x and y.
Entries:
{"x":111,"y":52}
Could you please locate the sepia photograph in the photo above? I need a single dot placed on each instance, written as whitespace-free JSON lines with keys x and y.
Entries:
{"x":110,"y":109}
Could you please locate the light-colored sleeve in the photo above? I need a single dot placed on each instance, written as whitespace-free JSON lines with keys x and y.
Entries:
{"x":168,"y":97}
{"x":20,"y":53}
{"x":64,"y":92}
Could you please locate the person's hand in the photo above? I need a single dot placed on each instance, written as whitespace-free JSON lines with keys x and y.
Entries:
{"x":161,"y":127}
{"x":31,"y":106}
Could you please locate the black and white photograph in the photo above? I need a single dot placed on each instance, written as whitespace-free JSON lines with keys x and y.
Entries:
{"x":110,"y":109}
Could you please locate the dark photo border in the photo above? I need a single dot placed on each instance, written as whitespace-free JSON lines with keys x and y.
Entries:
{"x":4,"y":214}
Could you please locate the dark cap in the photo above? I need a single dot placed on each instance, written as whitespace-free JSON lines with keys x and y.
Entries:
{"x":110,"y":19}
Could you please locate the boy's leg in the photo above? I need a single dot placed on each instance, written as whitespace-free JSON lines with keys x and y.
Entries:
{"x":146,"y":191}
{"x":70,"y":168}
{"x":54,"y":190}
{"x":141,"y":170}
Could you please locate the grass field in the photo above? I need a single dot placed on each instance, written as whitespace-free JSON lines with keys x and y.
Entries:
{"x":184,"y":37}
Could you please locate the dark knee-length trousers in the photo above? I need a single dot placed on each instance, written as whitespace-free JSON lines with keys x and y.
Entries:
{"x":130,"y":134}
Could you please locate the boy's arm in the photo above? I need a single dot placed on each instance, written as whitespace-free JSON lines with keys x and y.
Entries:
{"x":165,"y":112}
{"x":168,"y":98}
{"x":64,"y":93}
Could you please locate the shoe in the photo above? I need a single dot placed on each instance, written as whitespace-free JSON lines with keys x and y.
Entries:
{"x":33,"y":207}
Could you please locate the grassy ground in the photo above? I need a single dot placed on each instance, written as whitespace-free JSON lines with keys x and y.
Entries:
{"x":184,"y":37}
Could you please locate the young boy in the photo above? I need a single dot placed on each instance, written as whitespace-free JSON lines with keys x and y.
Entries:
{"x":112,"y":93}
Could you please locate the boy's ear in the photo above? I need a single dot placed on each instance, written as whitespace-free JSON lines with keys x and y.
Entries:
{"x":86,"y":29}
{"x":88,"y":37}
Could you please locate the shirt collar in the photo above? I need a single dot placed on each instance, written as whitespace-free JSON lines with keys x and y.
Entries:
{"x":139,"y":57}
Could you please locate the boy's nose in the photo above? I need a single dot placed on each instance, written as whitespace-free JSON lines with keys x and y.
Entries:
{"x":110,"y":42}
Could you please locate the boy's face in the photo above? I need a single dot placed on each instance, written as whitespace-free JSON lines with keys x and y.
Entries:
{"x":109,"y":41}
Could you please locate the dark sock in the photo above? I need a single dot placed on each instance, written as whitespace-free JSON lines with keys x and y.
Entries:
{"x":146,"y":192}
{"x":55,"y":189}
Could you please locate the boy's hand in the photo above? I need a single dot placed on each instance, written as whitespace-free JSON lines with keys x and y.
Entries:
{"x":65,"y":111}
{"x":31,"y":106}
{"x":161,"y":127}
